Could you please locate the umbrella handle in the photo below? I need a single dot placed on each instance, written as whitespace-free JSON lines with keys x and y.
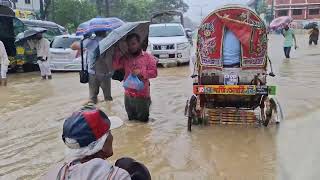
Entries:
{"x":81,"y":51}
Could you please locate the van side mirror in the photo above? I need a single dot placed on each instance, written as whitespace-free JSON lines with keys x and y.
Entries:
{"x":189,"y":34}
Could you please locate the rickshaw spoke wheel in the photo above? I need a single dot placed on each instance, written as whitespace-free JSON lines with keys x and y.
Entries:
{"x":266,"y":111}
{"x":191,"y":111}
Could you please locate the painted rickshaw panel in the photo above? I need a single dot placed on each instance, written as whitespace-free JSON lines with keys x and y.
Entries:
{"x":245,"y":24}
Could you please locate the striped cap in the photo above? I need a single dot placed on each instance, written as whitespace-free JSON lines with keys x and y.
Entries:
{"x":85,"y":127}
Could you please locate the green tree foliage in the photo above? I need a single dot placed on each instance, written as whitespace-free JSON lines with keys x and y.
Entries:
{"x":261,"y":6}
{"x":70,"y":13}
{"x":131,"y":10}
{"x":161,"y":5}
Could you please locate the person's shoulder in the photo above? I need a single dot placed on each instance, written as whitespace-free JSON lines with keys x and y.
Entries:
{"x":147,"y":54}
{"x":102,"y":167}
{"x":53,"y":172}
{"x":45,"y":40}
{"x":120,"y":174}
{"x":98,"y":161}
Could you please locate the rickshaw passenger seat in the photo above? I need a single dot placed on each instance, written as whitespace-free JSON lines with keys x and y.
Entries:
{"x":231,"y":50}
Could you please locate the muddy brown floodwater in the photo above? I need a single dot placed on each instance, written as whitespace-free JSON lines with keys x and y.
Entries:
{"x":32,"y":113}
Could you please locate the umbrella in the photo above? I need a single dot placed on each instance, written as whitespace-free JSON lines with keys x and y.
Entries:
{"x":29,"y":33}
{"x":98,"y":24}
{"x":141,"y":28}
{"x":311,"y":25}
{"x":280,"y":22}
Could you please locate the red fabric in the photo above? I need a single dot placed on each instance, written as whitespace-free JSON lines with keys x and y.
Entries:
{"x":98,"y":126}
{"x":147,"y":65}
{"x":242,"y":31}
{"x":246,"y":26}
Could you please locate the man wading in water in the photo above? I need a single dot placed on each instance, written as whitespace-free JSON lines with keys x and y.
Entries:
{"x":289,"y":37}
{"x":141,"y":64}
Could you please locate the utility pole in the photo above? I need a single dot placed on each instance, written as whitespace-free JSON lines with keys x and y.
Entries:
{"x":107,"y":8}
{"x":53,"y":11}
{"x":41,"y":10}
{"x":272,"y":10}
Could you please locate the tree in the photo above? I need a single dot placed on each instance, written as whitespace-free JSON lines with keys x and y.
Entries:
{"x":162,"y":5}
{"x":131,"y":10}
{"x":261,"y":6}
{"x":70,"y":13}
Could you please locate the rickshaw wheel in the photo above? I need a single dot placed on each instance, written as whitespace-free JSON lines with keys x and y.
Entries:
{"x":268,"y":108}
{"x":191,"y":111}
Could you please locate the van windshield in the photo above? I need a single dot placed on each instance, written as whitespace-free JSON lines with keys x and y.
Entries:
{"x":64,"y":42}
{"x":166,"y":31}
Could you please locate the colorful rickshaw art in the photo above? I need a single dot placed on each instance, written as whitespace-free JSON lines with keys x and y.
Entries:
{"x":232,"y":95}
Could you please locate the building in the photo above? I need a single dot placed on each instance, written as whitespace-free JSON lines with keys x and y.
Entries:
{"x":297,"y":9}
{"x":30,"y":5}
{"x":7,"y":3}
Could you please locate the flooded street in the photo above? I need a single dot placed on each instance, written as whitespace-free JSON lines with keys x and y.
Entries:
{"x":32,"y":113}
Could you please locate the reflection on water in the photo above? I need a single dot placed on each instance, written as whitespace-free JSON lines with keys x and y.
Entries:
{"x":32,"y":113}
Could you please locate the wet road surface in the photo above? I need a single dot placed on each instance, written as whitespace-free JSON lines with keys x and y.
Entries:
{"x":32,"y":113}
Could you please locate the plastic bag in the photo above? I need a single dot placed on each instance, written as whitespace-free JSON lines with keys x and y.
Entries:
{"x":133,"y":82}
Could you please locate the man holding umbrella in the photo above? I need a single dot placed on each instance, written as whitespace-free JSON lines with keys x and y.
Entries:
{"x":143,"y":65}
{"x":100,"y":73}
{"x":314,"y":35}
{"x":289,"y":38}
{"x":42,"y":45}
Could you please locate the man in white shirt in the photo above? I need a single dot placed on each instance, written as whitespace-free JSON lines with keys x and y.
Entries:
{"x":42,"y":45}
{"x":4,"y":63}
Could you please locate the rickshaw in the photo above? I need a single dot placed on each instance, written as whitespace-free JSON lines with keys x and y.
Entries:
{"x":232,"y":95}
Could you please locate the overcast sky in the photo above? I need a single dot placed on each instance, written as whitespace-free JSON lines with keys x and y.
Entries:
{"x":207,"y":6}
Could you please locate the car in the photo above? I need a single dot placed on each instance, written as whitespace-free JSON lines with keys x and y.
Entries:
{"x":62,"y":57}
{"x":169,"y":43}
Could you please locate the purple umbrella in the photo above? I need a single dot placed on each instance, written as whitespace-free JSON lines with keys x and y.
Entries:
{"x":98,"y":24}
{"x":280,"y":22}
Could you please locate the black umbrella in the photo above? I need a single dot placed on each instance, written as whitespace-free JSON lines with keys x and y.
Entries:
{"x":29,"y":33}
{"x":116,"y":38}
{"x":311,"y":25}
{"x":141,"y":28}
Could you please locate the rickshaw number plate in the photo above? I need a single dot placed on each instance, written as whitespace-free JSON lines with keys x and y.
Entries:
{"x":163,"y":55}
{"x":230,"y":79}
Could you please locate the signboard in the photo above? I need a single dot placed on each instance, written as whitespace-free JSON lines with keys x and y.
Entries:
{"x":248,"y":90}
{"x":230,"y":79}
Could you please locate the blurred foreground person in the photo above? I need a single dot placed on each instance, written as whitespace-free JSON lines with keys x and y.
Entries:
{"x":4,"y":63}
{"x":88,"y":138}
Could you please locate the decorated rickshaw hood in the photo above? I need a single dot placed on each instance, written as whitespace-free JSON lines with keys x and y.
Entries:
{"x":248,"y":27}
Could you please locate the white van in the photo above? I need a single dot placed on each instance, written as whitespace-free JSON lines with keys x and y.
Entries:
{"x":169,"y":43}
{"x":62,"y":57}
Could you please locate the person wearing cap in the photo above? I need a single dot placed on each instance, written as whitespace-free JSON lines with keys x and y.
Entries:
{"x":42,"y":45}
{"x":88,"y":138}
{"x":4,"y":63}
